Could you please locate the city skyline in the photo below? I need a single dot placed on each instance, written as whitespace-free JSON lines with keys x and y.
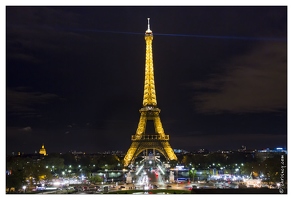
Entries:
{"x":75,"y":75}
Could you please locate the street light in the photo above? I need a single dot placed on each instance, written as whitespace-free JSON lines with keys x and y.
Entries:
{"x":193,"y":173}
{"x":24,"y":187}
{"x":176,"y":175}
{"x":106,"y":170}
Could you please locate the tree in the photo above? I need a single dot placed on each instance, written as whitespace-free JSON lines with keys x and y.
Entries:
{"x":22,"y":169}
{"x":173,"y":163}
{"x":273,"y":168}
{"x":16,"y":179}
{"x":95,"y":179}
{"x":16,"y":173}
{"x":69,"y":159}
{"x":54,"y":161}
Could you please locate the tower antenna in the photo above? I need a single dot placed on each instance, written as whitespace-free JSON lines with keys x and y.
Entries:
{"x":149,"y":29}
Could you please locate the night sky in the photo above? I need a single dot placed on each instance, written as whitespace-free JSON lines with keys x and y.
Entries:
{"x":75,"y":76}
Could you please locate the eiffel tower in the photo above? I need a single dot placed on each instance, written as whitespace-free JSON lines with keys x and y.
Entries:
{"x":149,"y":112}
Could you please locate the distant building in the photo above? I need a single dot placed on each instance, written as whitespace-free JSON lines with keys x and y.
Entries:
{"x":242,"y":149}
{"x":269,"y":153}
{"x":203,"y":151}
{"x":276,"y":150}
{"x":180,"y":151}
{"x":78,"y":153}
{"x":43,"y":150}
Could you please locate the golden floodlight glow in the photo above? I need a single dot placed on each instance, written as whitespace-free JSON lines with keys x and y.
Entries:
{"x":43,"y":150}
{"x":149,"y":112}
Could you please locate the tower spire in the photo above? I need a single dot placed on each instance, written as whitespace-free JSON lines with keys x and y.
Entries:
{"x":148,"y":31}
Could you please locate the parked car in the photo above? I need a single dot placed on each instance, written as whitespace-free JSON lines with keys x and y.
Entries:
{"x":155,"y":186}
{"x":122,"y":187}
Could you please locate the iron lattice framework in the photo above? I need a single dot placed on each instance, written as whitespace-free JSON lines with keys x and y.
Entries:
{"x":149,"y":112}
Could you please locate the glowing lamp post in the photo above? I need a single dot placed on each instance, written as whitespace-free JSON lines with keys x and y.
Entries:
{"x":193,"y":173}
{"x":106,"y":170}
{"x":24,"y":187}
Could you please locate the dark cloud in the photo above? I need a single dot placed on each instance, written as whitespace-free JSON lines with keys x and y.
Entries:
{"x":26,"y":129}
{"x":253,"y":82}
{"x":26,"y":101}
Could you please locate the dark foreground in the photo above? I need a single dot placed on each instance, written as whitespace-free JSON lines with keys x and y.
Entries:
{"x":239,"y":191}
{"x":170,"y":191}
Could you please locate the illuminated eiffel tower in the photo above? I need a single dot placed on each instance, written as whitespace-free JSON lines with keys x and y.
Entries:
{"x":149,"y":112}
